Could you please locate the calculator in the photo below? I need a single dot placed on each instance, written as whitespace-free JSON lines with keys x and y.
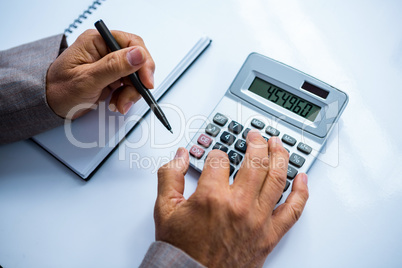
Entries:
{"x":277,"y":100}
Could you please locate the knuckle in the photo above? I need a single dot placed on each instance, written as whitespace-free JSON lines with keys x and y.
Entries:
{"x":295,"y":211}
{"x":277,"y":174}
{"x":91,"y":31}
{"x":169,"y":170}
{"x":241,"y":208}
{"x":212,"y":200}
{"x":305,"y":195}
{"x":113,"y":62}
{"x":138,"y":38}
{"x":134,"y":39}
{"x":88,"y":32}
{"x":241,"y":211}
{"x":279,"y":161}
{"x":259,"y":163}
{"x":164,"y":169}
{"x":246,"y":216}
{"x":278,"y":178}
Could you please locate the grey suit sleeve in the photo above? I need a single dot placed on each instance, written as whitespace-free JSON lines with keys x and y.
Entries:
{"x":24,"y":111}
{"x":161,"y":254}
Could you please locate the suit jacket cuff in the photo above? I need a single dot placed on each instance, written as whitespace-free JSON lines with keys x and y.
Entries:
{"x":161,"y":254}
{"x":24,"y":111}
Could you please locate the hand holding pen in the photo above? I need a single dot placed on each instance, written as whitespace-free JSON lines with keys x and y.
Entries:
{"x":86,"y":73}
{"x":114,"y":46}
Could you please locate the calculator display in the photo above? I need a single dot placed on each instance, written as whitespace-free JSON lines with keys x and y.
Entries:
{"x":285,"y":99}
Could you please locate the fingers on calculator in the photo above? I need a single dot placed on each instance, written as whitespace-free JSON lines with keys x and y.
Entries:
{"x":255,"y":166}
{"x":287,"y":214}
{"x":235,"y":139}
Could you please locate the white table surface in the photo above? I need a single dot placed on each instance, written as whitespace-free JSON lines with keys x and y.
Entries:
{"x":51,"y":218}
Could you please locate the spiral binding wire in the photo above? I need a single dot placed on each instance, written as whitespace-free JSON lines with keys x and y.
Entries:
{"x":83,"y":16}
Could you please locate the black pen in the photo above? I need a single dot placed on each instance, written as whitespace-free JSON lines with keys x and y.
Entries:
{"x":114,"y":46}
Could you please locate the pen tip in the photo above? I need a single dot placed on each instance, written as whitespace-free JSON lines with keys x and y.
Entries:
{"x":171,"y":131}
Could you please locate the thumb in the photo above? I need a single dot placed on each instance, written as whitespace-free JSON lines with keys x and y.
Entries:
{"x":117,"y":64}
{"x":171,"y":177}
{"x":286,"y":215}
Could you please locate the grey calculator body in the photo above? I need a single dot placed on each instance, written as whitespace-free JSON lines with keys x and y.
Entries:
{"x":279,"y":101}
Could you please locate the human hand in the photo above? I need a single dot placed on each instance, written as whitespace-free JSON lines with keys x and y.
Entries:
{"x":85,"y":73}
{"x":222,"y":225}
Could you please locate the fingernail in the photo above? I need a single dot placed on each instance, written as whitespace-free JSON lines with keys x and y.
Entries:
{"x":112,"y":107}
{"x":304,"y":178}
{"x":252,"y":131}
{"x":127,"y":107}
{"x":152,"y":80}
{"x":179,"y":153}
{"x":135,"y":56}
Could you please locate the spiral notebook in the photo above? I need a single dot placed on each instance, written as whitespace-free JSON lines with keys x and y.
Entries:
{"x":84,"y":144}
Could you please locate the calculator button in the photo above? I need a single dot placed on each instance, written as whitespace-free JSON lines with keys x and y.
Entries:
{"x":227,"y":138}
{"x":220,"y":119}
{"x":296,"y":160}
{"x":304,"y":148}
{"x":292,"y":172}
{"x":232,"y":168}
{"x":204,"y":140}
{"x":245,"y":132}
{"x":257,"y":123}
{"x":289,"y":140}
{"x":235,"y":157}
{"x":221,"y":147}
{"x":212,"y":130}
{"x":241,"y":146}
{"x":197,"y":151}
{"x":272,"y":131}
{"x":235,"y":127}
{"x":265,"y":138}
{"x":286,"y":186}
